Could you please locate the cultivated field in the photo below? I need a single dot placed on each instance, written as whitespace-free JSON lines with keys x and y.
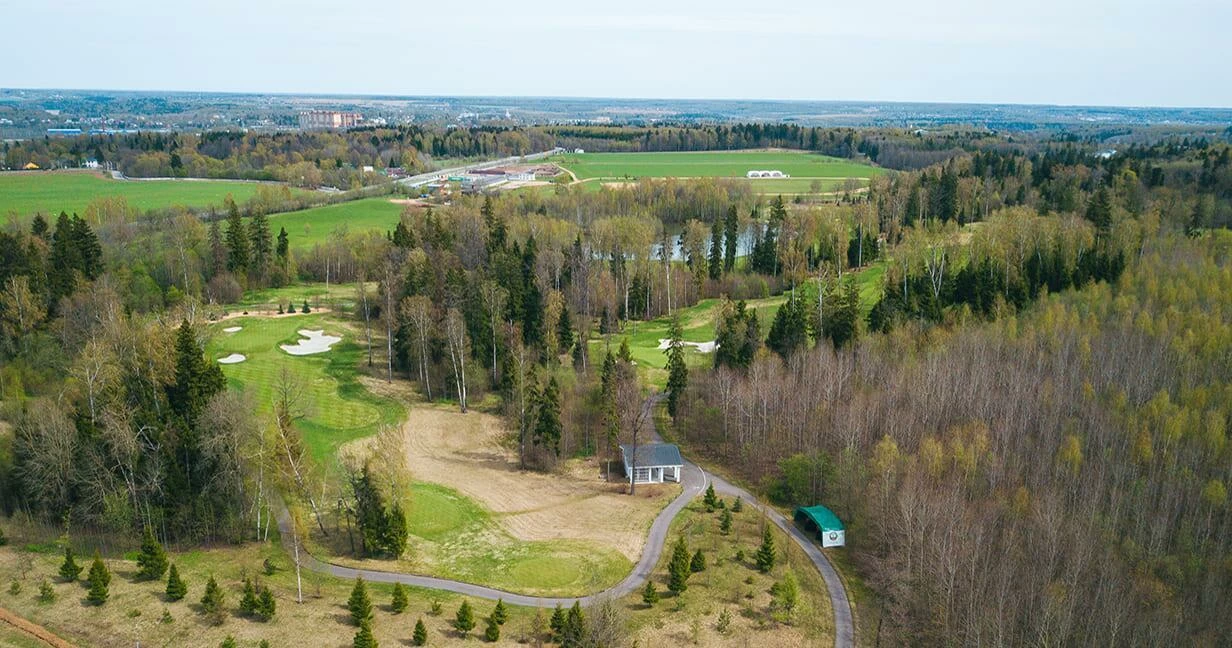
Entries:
{"x":50,"y":192}
{"x":711,"y":164}
{"x":474,"y":516}
{"x":311,"y":226}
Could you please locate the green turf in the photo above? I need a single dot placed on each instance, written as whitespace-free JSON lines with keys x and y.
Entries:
{"x":454,"y":537}
{"x":337,"y":408}
{"x":317,"y":293}
{"x":308,"y":227}
{"x":53,"y":192}
{"x":730,"y":164}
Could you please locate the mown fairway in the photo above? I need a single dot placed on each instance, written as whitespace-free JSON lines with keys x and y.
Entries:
{"x":336,"y":407}
{"x":52,"y":192}
{"x":311,"y":226}
{"x":711,"y":164}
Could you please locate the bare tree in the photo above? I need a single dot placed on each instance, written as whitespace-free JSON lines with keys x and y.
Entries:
{"x":418,"y":311}
{"x":455,"y":335}
{"x":494,"y":299}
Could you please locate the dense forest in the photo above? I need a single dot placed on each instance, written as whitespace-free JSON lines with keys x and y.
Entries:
{"x":1026,"y":426}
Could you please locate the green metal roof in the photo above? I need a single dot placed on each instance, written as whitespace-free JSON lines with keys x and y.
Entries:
{"x":824,"y":518}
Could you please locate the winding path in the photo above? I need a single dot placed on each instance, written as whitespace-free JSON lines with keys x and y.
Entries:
{"x":693,"y":480}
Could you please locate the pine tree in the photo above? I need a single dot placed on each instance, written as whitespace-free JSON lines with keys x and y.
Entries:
{"x":238,"y":240}
{"x":730,"y":235}
{"x":492,"y":632}
{"x":283,"y":248}
{"x":420,"y":636}
{"x":364,"y":638}
{"x":212,"y":600}
{"x":710,"y":499}
{"x":698,"y":563}
{"x":69,"y":569}
{"x":714,"y":261}
{"x":725,"y":521}
{"x":738,"y":505}
{"x":564,"y":329}
{"x":218,"y":250}
{"x":359,"y":604}
{"x":100,"y":580}
{"x":152,"y":561}
{"x":399,"y":602}
{"x":262,"y":249}
{"x":464,"y":620}
{"x":789,"y":330}
{"x":765,"y":555}
{"x":678,"y":569}
{"x":650,"y":595}
{"x":500,"y":614}
{"x":177,"y":589}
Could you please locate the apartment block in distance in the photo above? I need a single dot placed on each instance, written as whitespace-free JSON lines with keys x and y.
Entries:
{"x":318,"y":119}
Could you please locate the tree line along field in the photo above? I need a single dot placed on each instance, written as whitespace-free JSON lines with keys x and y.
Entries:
{"x":711,"y":164}
{"x":50,"y":192}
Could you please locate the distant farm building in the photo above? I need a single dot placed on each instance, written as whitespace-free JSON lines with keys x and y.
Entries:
{"x":653,"y":463}
{"x":318,"y":119}
{"x":479,"y":183}
{"x":579,"y":151}
{"x":770,"y":173}
{"x":824,"y":522}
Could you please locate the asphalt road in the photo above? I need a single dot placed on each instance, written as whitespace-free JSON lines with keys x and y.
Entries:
{"x":694,"y":481}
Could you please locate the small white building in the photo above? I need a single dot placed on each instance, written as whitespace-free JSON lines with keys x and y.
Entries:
{"x":653,"y":463}
{"x":579,"y":151}
{"x":768,"y":173}
{"x":90,"y":164}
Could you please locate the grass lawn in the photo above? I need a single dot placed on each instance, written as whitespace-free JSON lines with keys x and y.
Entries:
{"x":717,"y":164}
{"x":52,"y":192}
{"x":733,"y":585}
{"x":308,"y":227}
{"x":338,"y":408}
{"x":317,"y":293}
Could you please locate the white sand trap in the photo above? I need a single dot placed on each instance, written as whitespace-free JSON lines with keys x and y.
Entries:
{"x":702,"y":347}
{"x":313,"y":342}
{"x":232,"y":329}
{"x":234,"y":358}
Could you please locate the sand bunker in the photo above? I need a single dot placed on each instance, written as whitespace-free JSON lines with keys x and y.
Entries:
{"x":702,"y":347}
{"x":234,"y":358}
{"x":232,"y":329}
{"x":313,"y":342}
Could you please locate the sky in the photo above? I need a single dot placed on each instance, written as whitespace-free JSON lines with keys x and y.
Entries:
{"x":1089,"y":52}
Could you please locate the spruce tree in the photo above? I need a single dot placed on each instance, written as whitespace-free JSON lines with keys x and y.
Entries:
{"x":364,"y":638}
{"x":710,"y":499}
{"x":730,"y":234}
{"x":218,"y":250}
{"x":737,"y":505}
{"x":548,"y":427}
{"x":715,"y":259}
{"x":765,"y":555}
{"x":420,"y":636}
{"x":228,"y":642}
{"x":678,"y":568}
{"x":698,"y":563}
{"x":100,"y":580}
{"x":212,"y":600}
{"x":399,"y":602}
{"x":266,"y":605}
{"x":564,"y":329}
{"x":238,"y":240}
{"x":725,"y":521}
{"x":464,"y":620}
{"x":500,"y":614}
{"x":677,"y":372}
{"x":283,"y":248}
{"x":574,"y":632}
{"x":176,"y":587}
{"x":69,"y":569}
{"x":248,"y":601}
{"x":152,"y":561}
{"x":262,"y":250}
{"x":557,"y":623}
{"x":359,"y":604}
{"x":650,"y":595}
{"x":492,"y":632}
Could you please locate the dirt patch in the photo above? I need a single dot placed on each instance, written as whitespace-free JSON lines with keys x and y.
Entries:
{"x":33,"y":629}
{"x":466,"y":452}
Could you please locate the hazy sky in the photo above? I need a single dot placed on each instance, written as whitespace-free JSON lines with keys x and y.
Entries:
{"x":1104,"y":52}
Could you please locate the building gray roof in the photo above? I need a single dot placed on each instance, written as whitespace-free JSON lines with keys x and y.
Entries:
{"x":652,"y":454}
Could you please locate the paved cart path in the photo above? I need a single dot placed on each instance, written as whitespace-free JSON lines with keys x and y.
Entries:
{"x":694,"y":481}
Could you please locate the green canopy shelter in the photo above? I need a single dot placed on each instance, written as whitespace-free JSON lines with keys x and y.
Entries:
{"x":828,"y":527}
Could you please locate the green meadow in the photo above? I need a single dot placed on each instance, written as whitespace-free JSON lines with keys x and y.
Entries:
{"x":711,"y":164}
{"x":309,"y":227}
{"x":337,"y":408}
{"x":51,"y":192}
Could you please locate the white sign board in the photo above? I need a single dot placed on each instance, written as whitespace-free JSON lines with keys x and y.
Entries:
{"x":832,"y":539}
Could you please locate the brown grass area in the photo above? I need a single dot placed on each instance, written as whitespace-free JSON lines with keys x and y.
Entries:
{"x":467,"y":452}
{"x":38,"y":633}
